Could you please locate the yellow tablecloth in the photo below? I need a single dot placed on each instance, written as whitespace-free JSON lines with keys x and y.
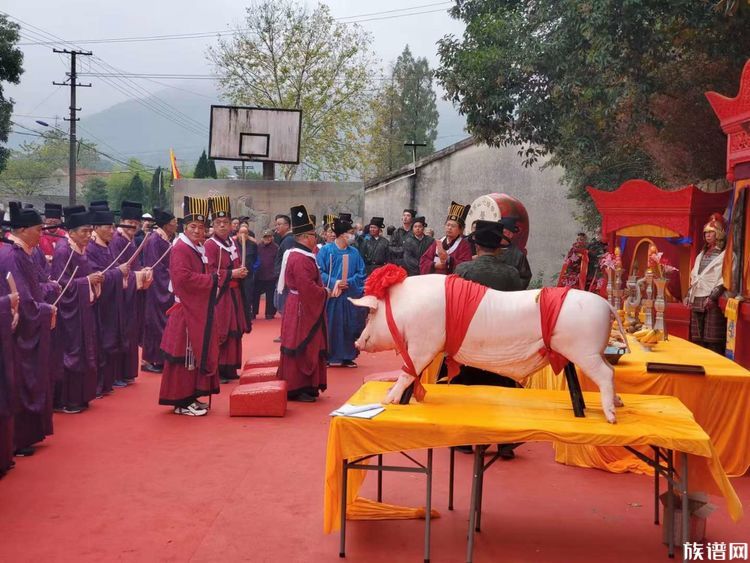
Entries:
{"x":455,"y":414}
{"x":720,"y":402}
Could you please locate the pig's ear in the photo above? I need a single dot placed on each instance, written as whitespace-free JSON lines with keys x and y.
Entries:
{"x":369,"y":301}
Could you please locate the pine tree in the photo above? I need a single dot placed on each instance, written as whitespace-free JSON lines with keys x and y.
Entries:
{"x":404,"y":110}
{"x":212,"y":169}
{"x":135,"y":191}
{"x":201,"y":169}
{"x":95,"y":189}
{"x":155,"y":193}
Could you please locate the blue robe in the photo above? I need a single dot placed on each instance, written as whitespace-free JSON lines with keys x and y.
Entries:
{"x":345,"y":321}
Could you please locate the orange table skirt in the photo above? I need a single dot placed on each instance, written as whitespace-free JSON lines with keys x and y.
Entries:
{"x":720,"y":402}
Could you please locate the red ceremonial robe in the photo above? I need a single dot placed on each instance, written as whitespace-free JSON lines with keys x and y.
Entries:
{"x":458,"y":252}
{"x":303,"y":325}
{"x":190,"y":343}
{"x":231,"y":320}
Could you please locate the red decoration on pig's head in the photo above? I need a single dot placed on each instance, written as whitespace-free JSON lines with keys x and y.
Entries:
{"x":380,"y":280}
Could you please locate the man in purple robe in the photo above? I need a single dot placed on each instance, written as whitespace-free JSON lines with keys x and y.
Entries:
{"x":109,"y":308}
{"x":159,"y":297}
{"x":33,"y":417}
{"x":76,"y":337}
{"x":123,"y":247}
{"x":8,"y":393}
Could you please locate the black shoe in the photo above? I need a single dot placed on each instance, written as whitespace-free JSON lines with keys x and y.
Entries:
{"x":303,"y":398}
{"x":465,"y":449}
{"x":349,"y":364}
{"x":152,"y":368}
{"x":270,"y":318}
{"x":25,"y":452}
{"x":72,"y":410}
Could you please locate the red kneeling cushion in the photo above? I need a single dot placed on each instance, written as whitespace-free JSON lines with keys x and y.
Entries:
{"x":266,"y":361}
{"x":267,"y":398}
{"x":258,"y":375}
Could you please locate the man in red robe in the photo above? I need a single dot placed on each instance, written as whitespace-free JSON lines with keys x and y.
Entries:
{"x":443,"y":255}
{"x":9,"y":301}
{"x":303,"y":325}
{"x":53,"y":232}
{"x":190,"y":342}
{"x":232,"y":320}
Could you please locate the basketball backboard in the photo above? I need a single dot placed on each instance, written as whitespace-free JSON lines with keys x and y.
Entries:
{"x":255,"y":134}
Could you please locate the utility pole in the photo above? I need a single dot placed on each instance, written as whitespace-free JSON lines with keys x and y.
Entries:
{"x":72,"y":77}
{"x":413,"y":183}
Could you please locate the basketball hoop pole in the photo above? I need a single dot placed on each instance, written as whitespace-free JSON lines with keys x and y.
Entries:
{"x":413,"y":183}
{"x":269,"y":171}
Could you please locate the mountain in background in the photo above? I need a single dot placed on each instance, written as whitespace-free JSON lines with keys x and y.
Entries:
{"x":178,"y":118}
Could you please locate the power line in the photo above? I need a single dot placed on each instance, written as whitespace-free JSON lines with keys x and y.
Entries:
{"x":372,"y":16}
{"x":129,"y":88}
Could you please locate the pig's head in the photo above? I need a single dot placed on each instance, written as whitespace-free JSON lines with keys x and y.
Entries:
{"x":375,"y":337}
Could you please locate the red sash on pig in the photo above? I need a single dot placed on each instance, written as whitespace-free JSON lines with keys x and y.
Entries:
{"x":550,"y":303}
{"x":462,"y":298}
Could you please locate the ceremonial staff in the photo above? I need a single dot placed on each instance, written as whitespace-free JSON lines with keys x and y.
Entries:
{"x":116,"y":259}
{"x":13,"y":289}
{"x":73,"y":275}
{"x":139,"y":249}
{"x":161,"y":257}
{"x":65,"y":268}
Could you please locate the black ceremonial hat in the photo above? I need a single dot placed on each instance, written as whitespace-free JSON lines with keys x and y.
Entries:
{"x":488,"y":234}
{"x":345,"y":216}
{"x":76,"y":216}
{"x":458,"y":213}
{"x":21,"y":218}
{"x":53,"y":210}
{"x":420,"y":220}
{"x":194,"y":209}
{"x":301,"y":220}
{"x":220,"y":206}
{"x":162,"y":217}
{"x":100,"y":217}
{"x":131,"y":210}
{"x":99,"y":205}
{"x":328,"y":219}
{"x":340,"y":226}
{"x":377,"y":221}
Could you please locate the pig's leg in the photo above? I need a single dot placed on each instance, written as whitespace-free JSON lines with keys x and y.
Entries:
{"x":601,"y":373}
{"x":395,"y":392}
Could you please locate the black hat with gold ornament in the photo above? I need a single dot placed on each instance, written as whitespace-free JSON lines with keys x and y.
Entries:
{"x":458,"y":213}
{"x":220,"y":207}
{"x":195,"y":209}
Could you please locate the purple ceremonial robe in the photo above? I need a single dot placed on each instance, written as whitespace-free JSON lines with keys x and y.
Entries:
{"x":110,"y":314}
{"x":76,"y":326}
{"x":31,"y":363}
{"x":133,"y":304}
{"x":8,"y":397}
{"x":41,"y":261}
{"x":158,"y":298}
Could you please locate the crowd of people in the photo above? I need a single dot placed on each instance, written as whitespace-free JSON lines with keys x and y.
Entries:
{"x":91,"y":296}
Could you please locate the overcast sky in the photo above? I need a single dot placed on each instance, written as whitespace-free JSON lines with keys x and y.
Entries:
{"x":79,"y":20}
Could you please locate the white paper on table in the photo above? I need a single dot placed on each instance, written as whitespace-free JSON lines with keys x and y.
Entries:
{"x":359,"y":411}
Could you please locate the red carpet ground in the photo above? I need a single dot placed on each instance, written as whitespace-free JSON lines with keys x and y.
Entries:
{"x":130,"y":481}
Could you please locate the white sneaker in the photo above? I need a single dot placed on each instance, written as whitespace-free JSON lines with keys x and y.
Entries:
{"x":190,"y":410}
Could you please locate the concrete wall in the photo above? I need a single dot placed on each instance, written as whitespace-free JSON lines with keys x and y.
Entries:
{"x":261,"y":200}
{"x":466,"y":171}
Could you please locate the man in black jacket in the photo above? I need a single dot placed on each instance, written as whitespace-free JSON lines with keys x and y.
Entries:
{"x":416,"y":243}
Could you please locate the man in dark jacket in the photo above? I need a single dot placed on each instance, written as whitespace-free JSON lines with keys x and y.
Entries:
{"x":511,"y":255}
{"x":374,"y":247}
{"x":399,"y":236}
{"x":416,"y":243}
{"x":265,"y":280}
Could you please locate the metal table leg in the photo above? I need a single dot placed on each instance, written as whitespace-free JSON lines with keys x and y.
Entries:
{"x":380,"y":479}
{"x":428,"y":508}
{"x":670,"y":503}
{"x":478,"y":462}
{"x":656,"y":485}
{"x":685,"y":504}
{"x":451,"y":476}
{"x":344,"y":479}
{"x":480,"y":491}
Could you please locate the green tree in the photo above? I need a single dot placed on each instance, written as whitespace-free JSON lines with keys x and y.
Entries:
{"x":212,"y":169}
{"x":11,"y":59}
{"x":136,"y":190}
{"x":608,"y":90}
{"x":156,"y":191}
{"x":404,"y":110}
{"x":288,"y":56}
{"x":201,"y":169}
{"x":95,"y":189}
{"x":38,"y":167}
